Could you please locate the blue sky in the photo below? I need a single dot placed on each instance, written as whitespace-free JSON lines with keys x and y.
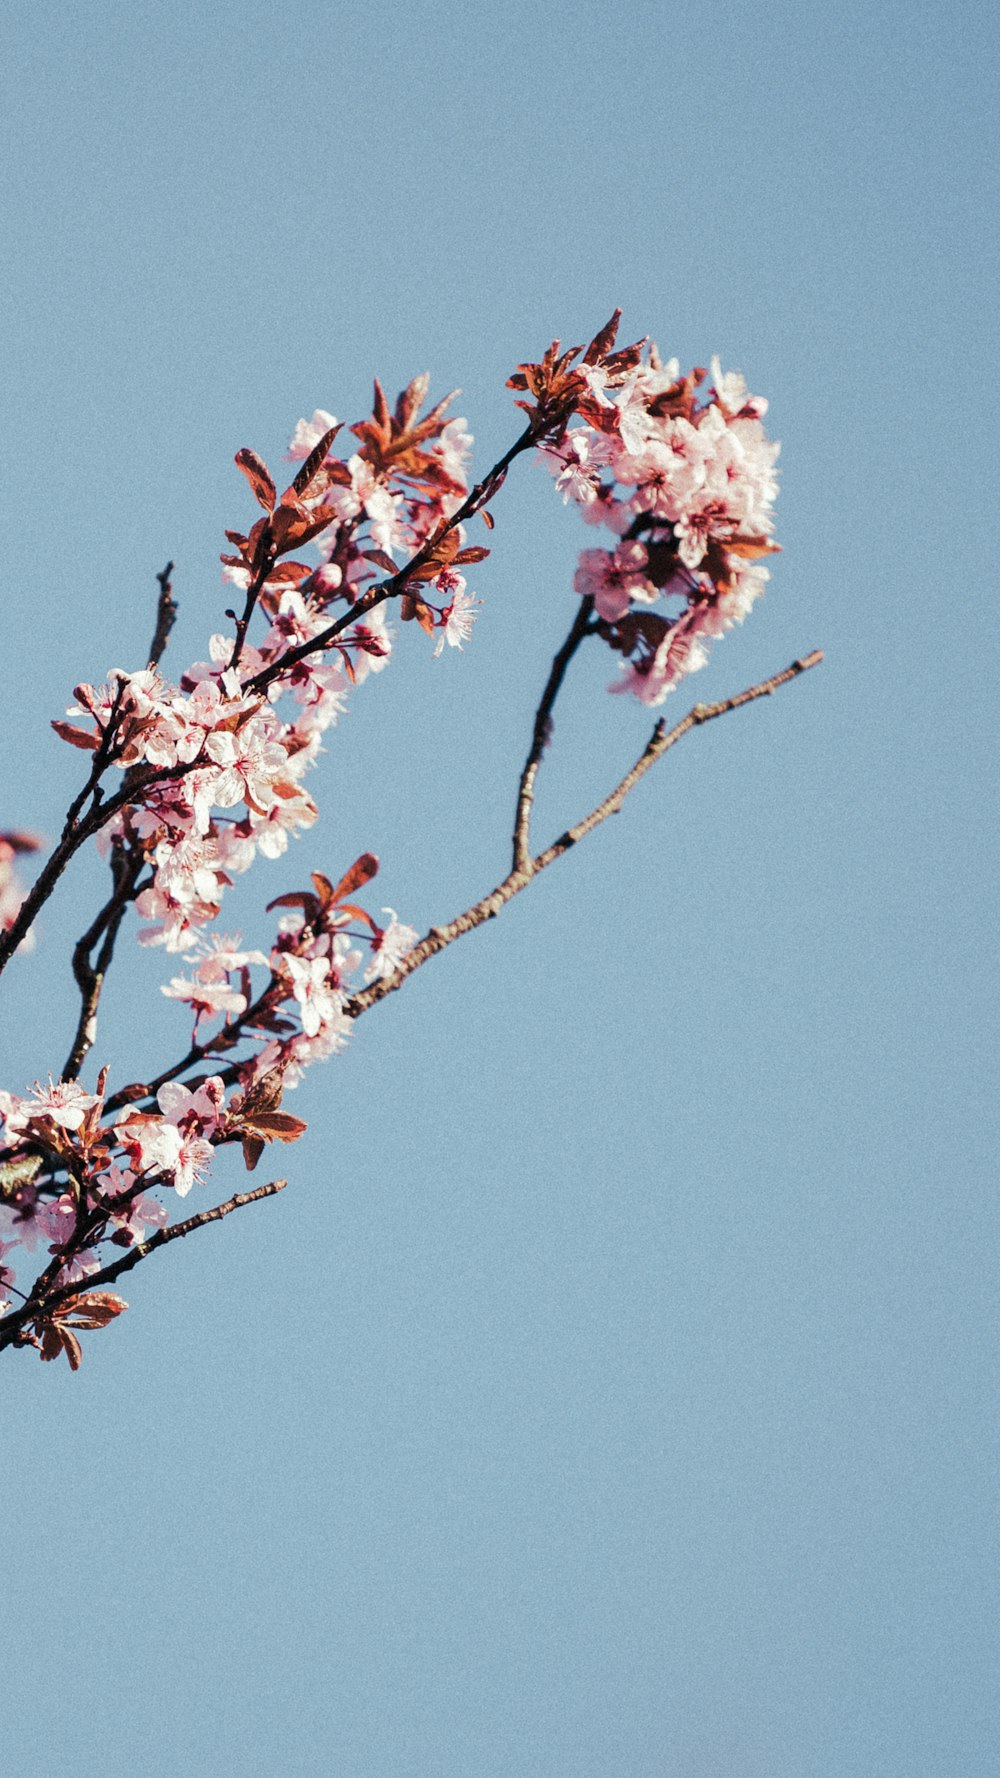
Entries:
{"x":613,"y":1390}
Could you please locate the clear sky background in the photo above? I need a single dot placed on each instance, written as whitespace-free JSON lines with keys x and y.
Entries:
{"x":613,"y":1392}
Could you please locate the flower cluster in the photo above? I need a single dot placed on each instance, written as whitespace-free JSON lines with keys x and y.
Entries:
{"x":71,"y":1180}
{"x":687,"y":485}
{"x":226,"y":764}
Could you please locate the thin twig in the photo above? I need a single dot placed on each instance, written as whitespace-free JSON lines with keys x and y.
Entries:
{"x":126,"y":868}
{"x":541,"y":733}
{"x":166,"y":612}
{"x":660,"y":742}
{"x":12,"y":1327}
{"x":254,"y":590}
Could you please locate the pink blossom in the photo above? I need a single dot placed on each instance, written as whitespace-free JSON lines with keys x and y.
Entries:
{"x":731,"y":390}
{"x":307,"y":435}
{"x":459,"y":616}
{"x":390,"y":947}
{"x":156,"y":1146}
{"x":199,"y":1109}
{"x":11,"y":890}
{"x":57,"y":1219}
{"x":21,"y":1216}
{"x":223,"y":955}
{"x":138,"y":1213}
{"x":65,"y":1103}
{"x":78,"y":1267}
{"x":319,"y":1004}
{"x":614,"y":579}
{"x":250,"y":758}
{"x":208,"y":999}
{"x":291,"y":810}
{"x":574,"y":465}
{"x":452,"y":451}
{"x":7,"y":1275}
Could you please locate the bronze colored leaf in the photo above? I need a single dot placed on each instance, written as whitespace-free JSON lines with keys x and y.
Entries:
{"x":602,"y":342}
{"x":77,"y":737}
{"x":253,"y":1148}
{"x":381,"y":560}
{"x":259,"y":478}
{"x":94,"y":1308}
{"x":315,"y":461}
{"x":362,"y":871}
{"x":276,"y":1126}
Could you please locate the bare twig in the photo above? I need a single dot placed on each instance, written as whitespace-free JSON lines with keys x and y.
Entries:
{"x":660,"y":742}
{"x":13,"y":1327}
{"x":166,"y":612}
{"x":126,"y":867}
{"x":541,"y":733}
{"x":254,"y":591}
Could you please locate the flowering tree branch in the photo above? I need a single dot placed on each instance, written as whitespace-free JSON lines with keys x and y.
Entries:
{"x":213,"y":771}
{"x":14,"y":1329}
{"x":487,"y":908}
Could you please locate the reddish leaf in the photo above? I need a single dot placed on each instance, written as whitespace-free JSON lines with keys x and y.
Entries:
{"x":315,"y":461}
{"x":602,"y":342}
{"x":289,"y":573}
{"x":253,"y":1148}
{"x":380,"y":407}
{"x":276,"y":1126}
{"x":56,"y":1339}
{"x":323,"y":887}
{"x":77,"y":737}
{"x":752,"y":547}
{"x":381,"y":560}
{"x":362,"y":871}
{"x":297,"y":898}
{"x":475,"y":553}
{"x":488,"y":520}
{"x":293,"y":524}
{"x":94,"y":1308}
{"x":357,"y":913}
{"x":411,"y":400}
{"x":257,"y":475}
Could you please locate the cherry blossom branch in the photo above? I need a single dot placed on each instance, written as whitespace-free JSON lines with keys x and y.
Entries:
{"x":660,"y":742}
{"x":397,"y":583}
{"x":14,"y":1325}
{"x":166,"y":613}
{"x":76,"y":833}
{"x":225,"y":1039}
{"x":541,"y":732}
{"x":522,"y":873}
